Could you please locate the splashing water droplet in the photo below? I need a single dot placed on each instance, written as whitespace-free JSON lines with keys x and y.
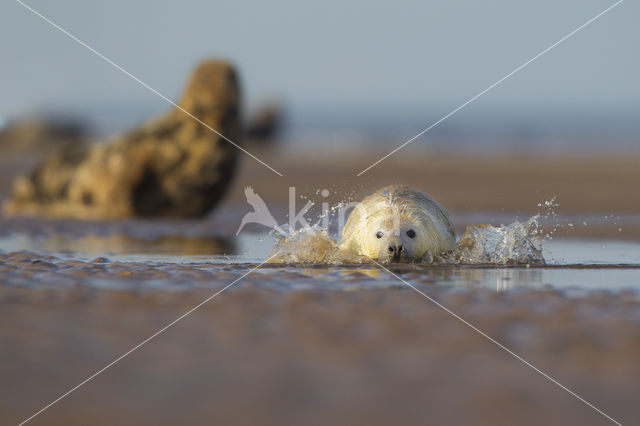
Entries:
{"x":516,"y":243}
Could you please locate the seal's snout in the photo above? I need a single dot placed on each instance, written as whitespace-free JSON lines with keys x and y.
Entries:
{"x":396,"y":250}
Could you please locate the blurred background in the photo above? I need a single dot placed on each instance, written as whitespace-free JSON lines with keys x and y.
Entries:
{"x":365,"y":72}
{"x":328,"y":88}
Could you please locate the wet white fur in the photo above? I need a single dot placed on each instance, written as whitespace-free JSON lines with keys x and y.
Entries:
{"x":393,"y":210}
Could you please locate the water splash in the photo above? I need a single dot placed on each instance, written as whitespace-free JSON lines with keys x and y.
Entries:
{"x":311,"y":245}
{"x":517,"y":243}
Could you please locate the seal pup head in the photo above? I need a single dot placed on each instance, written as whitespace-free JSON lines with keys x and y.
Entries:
{"x":398,"y":224}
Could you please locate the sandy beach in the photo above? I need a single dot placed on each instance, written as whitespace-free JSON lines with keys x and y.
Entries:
{"x":260,"y":353}
{"x":295,"y":344}
{"x":475,"y":180}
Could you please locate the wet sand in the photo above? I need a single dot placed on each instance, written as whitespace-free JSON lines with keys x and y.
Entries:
{"x":324,"y":345}
{"x":467,"y":181}
{"x":260,"y":353}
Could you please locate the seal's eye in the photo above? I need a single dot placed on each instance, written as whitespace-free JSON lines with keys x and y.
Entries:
{"x":379,"y":234}
{"x":411,"y":233}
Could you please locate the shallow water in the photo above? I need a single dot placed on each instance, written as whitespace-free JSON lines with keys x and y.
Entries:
{"x":290,"y":338}
{"x":572,"y":264}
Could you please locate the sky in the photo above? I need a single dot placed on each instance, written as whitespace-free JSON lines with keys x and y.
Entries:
{"x":337,"y":61}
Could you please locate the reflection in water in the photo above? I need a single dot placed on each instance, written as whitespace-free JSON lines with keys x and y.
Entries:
{"x":500,"y":279}
{"x":127,"y":244}
{"x":503,"y":279}
{"x":344,"y":271}
{"x":178,"y":260}
{"x":370,"y":272}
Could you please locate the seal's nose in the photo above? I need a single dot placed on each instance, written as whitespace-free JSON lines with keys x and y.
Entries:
{"x":396,"y":250}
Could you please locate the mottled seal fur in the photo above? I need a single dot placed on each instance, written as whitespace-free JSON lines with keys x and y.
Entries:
{"x":398,"y":224}
{"x":170,"y":166}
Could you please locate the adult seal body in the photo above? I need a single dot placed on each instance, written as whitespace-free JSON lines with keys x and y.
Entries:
{"x":177,"y":165}
{"x":398,"y":224}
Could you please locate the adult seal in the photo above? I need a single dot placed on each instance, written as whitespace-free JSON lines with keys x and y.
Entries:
{"x":398,"y":224}
{"x":173,"y":165}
